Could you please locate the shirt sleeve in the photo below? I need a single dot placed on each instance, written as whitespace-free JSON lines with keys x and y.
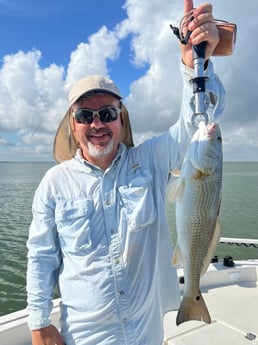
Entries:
{"x":43,"y":259}
{"x":176,"y":140}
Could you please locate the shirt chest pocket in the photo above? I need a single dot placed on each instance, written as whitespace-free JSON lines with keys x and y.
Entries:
{"x":138,"y":202}
{"x":73,"y":221}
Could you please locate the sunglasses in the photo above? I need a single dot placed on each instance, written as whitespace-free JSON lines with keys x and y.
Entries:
{"x":106,"y":114}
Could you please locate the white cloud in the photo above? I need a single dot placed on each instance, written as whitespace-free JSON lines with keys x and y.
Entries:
{"x":91,"y":58}
{"x":240,"y":141}
{"x":34,"y":99}
{"x":4,"y":142}
{"x":150,"y":100}
{"x":35,"y":138}
{"x":31,"y":97}
{"x":154,"y":98}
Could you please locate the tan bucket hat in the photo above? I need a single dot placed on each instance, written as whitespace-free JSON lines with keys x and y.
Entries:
{"x":65,"y":143}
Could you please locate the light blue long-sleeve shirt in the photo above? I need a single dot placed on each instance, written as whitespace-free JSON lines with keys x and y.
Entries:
{"x":103,"y":239}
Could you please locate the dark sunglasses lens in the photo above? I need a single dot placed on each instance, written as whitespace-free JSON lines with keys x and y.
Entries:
{"x":108,"y":114}
{"x":86,"y":116}
{"x":83,"y":116}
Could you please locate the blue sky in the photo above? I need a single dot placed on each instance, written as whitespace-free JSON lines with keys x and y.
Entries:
{"x":46,"y":45}
{"x":54,"y":27}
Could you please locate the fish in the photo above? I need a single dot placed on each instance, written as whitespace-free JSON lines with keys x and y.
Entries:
{"x":196,"y":193}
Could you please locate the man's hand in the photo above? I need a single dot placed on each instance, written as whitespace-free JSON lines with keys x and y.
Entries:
{"x":203,"y":29}
{"x":46,"y":336}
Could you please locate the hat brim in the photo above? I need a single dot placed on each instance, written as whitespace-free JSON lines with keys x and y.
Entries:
{"x":65,"y":144}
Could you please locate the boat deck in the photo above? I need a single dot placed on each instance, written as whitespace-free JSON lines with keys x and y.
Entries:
{"x":231,"y":295}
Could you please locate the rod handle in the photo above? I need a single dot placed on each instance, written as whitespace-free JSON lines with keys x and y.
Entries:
{"x":199,"y":50}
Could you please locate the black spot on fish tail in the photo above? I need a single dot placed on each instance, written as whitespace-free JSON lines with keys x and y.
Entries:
{"x":193,"y":308}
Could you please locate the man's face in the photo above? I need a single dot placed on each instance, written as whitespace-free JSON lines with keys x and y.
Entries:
{"x":99,"y":140}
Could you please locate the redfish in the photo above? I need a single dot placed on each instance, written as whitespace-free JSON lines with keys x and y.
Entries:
{"x":197,"y":194}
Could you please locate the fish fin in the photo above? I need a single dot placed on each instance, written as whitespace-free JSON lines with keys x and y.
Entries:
{"x":177,"y":257}
{"x":193,"y":309}
{"x":212,"y":248}
{"x":175,"y":189}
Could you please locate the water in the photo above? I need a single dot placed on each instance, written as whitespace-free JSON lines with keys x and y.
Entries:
{"x":18,"y":181}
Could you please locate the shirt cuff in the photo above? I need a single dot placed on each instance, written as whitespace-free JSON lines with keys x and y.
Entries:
{"x":38,"y":319}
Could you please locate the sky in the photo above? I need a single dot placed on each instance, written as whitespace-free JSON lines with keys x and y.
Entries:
{"x":47,"y":45}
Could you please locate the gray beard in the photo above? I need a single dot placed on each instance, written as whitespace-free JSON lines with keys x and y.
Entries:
{"x":98,"y":152}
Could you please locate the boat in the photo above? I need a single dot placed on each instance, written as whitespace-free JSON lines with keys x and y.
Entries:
{"x":230,"y":289}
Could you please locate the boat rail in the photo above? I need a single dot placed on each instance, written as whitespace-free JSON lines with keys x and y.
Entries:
{"x":246,"y":242}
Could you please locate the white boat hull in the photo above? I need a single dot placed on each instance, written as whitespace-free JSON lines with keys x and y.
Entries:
{"x":231,"y":295}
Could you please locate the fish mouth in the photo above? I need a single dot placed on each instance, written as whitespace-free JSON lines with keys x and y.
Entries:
{"x":211,"y":129}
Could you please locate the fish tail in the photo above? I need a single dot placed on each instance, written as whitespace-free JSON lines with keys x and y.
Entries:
{"x":193,"y":309}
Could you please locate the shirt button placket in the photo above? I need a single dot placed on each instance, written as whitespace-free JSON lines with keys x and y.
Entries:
{"x":116,"y":257}
{"x":119,"y":278}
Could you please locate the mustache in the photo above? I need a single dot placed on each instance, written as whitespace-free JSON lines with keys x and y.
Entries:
{"x":94,"y":131}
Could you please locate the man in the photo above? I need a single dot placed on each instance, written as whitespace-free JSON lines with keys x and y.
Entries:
{"x":99,"y":231}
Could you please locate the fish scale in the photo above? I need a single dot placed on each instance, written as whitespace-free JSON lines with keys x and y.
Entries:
{"x":197,"y":194}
